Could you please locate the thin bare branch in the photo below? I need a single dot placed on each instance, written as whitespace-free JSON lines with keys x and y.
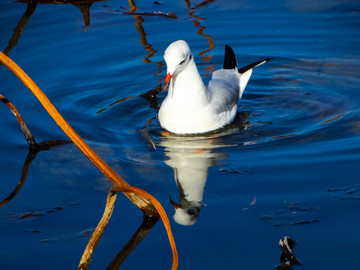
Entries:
{"x":100,"y":228}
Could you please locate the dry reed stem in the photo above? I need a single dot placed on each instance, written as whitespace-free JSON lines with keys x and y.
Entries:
{"x":116,"y":179}
{"x":136,"y":195}
{"x":95,"y":238}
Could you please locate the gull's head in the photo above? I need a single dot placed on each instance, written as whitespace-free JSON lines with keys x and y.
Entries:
{"x":176,"y":56}
{"x":186,"y":212}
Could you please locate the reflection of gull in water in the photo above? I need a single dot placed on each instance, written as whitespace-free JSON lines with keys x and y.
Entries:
{"x":191,"y":157}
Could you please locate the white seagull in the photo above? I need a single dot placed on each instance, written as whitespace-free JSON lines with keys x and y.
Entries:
{"x":190,"y":107}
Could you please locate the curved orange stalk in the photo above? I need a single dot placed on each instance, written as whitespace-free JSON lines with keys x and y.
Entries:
{"x":63,"y":124}
{"x":162,"y":214}
{"x":145,"y":202}
{"x":75,"y":138}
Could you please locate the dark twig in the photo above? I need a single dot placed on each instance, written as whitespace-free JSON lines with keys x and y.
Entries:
{"x":147,"y":224}
{"x":28,"y":136}
{"x":46,"y":145}
{"x":150,"y":96}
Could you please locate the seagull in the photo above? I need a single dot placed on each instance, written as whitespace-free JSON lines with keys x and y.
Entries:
{"x":192,"y":108}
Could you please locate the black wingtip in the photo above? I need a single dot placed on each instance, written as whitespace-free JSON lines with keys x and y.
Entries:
{"x":230,"y":58}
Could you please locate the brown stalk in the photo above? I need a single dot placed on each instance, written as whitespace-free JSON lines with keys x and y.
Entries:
{"x":147,"y":203}
{"x":116,"y":179}
{"x":95,"y":238}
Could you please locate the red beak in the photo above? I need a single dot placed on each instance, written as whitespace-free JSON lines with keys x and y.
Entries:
{"x":167,"y":79}
{"x":175,"y":204}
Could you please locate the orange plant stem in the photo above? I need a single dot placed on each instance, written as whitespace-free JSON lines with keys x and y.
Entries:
{"x":146,"y":202}
{"x":75,"y":138}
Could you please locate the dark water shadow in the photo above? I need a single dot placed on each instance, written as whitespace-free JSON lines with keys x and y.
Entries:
{"x":31,"y":6}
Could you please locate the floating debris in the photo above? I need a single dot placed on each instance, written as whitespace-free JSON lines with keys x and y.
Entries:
{"x":170,"y":14}
{"x":342,"y":193}
{"x":236,"y":171}
{"x":291,"y":214}
{"x":33,"y":231}
{"x":47,"y":240}
{"x":305,"y":222}
{"x":86,"y":233}
{"x":31,"y":214}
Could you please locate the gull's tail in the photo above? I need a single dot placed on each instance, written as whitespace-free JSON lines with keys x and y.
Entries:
{"x":256,"y":64}
{"x":247,"y":71}
{"x":231,"y":63}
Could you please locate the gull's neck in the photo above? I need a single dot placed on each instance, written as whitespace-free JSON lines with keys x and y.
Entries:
{"x":187,"y":85}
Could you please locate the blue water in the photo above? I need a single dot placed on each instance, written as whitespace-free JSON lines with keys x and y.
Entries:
{"x":288,"y":166}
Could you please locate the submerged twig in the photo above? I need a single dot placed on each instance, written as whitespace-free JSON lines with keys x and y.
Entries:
{"x":150,"y":96}
{"x":29,"y":159}
{"x":162,"y":214}
{"x":46,"y":145}
{"x":145,"y":227}
{"x":95,"y":238}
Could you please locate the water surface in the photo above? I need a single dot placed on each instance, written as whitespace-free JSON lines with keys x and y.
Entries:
{"x":288,"y":166}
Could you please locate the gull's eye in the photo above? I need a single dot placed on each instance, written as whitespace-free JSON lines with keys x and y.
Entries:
{"x":182,"y":62}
